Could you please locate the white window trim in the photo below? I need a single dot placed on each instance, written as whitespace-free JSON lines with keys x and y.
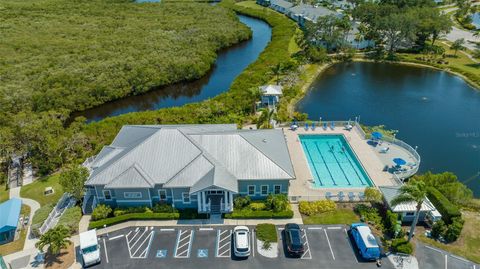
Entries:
{"x":132,"y":195}
{"x":189,"y":198}
{"x":160,"y":196}
{"x":109,"y":192}
{"x":254,"y":189}
{"x":275,"y":187}
{"x":261,"y":190}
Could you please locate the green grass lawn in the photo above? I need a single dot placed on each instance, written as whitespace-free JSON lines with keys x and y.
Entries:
{"x":339,"y":216}
{"x":16,"y":245}
{"x":266,"y":232}
{"x":4,"y":194}
{"x":35,"y":190}
{"x":468,"y":244}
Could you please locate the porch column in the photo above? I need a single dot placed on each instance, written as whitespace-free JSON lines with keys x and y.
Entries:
{"x":199,"y":203}
{"x":203,"y":201}
{"x":231,"y":201}
{"x":225,"y":201}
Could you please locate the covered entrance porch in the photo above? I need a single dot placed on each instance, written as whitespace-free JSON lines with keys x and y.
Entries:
{"x":215,"y":201}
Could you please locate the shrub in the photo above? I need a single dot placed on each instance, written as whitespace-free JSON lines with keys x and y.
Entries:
{"x":266,"y":232}
{"x":277,"y":202}
{"x":70,"y":219}
{"x":258,"y":206}
{"x":132,"y":216}
{"x":448,"y":210}
{"x":391,"y":220}
{"x":241,"y":202}
{"x":438,"y":229}
{"x":190,"y":213}
{"x":163,"y":208}
{"x":401,"y":245}
{"x":101,"y":212}
{"x":454,"y":230}
{"x":312,"y":208}
{"x":372,"y":194}
{"x":369,"y":214}
{"x":264,"y":214}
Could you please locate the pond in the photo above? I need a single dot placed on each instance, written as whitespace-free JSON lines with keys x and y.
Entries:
{"x":476,"y":20}
{"x":229,"y":64}
{"x":436,"y":111}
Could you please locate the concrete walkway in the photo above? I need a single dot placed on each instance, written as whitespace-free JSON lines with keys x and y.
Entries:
{"x":403,"y":261}
{"x":34,"y":206}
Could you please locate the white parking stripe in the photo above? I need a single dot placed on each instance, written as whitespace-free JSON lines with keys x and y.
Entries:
{"x":116,"y":237}
{"x":307,"y":255}
{"x":429,"y":247}
{"x":205,"y":229}
{"x":223,"y":244}
{"x":167,"y":230}
{"x":314,"y":228}
{"x":334,"y":228}
{"x":183,"y":245}
{"x":105,"y":248}
{"x":330,"y":246}
{"x":459,"y":258}
{"x":446,"y":261}
{"x":253,"y":243}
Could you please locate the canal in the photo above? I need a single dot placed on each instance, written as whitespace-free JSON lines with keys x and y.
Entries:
{"x":436,"y":111}
{"x":229,"y":64}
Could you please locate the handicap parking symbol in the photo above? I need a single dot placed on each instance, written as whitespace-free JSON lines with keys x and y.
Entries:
{"x":202,"y":253}
{"x":161,"y":253}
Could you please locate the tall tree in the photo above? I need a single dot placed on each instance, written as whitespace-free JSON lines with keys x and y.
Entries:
{"x":414,"y":191}
{"x":55,"y":239}
{"x":265,"y":119}
{"x":73,"y":181}
{"x":458,"y":45}
{"x":254,"y":94}
{"x":277,"y":70}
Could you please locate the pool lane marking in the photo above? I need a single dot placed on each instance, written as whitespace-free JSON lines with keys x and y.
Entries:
{"x":325,"y":162}
{"x":351,"y":164}
{"x":314,"y":168}
{"x":330,"y":246}
{"x":338,"y":163}
{"x":105,"y":248}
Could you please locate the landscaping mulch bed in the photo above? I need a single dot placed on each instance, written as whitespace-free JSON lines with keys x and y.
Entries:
{"x":61,"y":261}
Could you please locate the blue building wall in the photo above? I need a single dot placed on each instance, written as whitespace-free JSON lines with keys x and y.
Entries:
{"x":7,"y":236}
{"x":243,"y":186}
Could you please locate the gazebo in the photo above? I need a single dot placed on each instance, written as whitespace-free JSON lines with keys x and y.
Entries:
{"x":271,"y":95}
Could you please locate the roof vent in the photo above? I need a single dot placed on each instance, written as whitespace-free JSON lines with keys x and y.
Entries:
{"x":264,"y":140}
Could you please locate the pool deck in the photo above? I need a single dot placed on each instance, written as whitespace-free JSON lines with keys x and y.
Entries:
{"x":372,"y":161}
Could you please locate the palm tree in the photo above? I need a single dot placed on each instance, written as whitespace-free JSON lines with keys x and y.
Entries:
{"x":277,"y":71}
{"x":55,"y":239}
{"x":458,"y":45}
{"x":265,"y":119}
{"x":255,"y":94}
{"x":414,"y":191}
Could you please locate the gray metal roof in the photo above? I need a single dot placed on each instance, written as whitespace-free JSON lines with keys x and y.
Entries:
{"x":390,"y":192}
{"x":196,"y":156}
{"x":281,"y":3}
{"x":313,"y":13}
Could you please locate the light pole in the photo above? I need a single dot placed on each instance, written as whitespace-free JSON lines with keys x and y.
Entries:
{"x":105,"y":227}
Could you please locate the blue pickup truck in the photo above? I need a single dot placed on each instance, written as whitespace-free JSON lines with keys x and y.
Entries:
{"x":366,"y":242}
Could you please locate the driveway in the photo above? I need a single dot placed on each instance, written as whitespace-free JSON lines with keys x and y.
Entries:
{"x":432,"y":258}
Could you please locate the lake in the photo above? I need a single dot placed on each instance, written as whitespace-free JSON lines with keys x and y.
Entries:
{"x":228,"y":65}
{"x":476,"y":20}
{"x":434,"y":110}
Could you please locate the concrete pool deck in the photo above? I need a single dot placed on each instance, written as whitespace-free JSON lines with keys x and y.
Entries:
{"x":371,"y":159}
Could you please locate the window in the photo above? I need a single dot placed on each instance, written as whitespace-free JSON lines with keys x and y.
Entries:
{"x":107,"y":194}
{"x":277,"y":189}
{"x":410,"y":214}
{"x":264,"y":190}
{"x":132,"y":195}
{"x":162,"y":194}
{"x":186,"y":197}
{"x":251,"y":189}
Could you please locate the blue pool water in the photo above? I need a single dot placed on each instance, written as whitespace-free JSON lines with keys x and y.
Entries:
{"x":332,"y":162}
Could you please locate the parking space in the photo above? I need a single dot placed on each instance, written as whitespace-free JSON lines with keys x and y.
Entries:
{"x":204,"y":245}
{"x":183,"y":245}
{"x":432,"y":258}
{"x":139,"y":242}
{"x":163,"y":245}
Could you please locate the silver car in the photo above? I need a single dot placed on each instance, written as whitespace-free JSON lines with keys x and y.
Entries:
{"x":241,"y":244}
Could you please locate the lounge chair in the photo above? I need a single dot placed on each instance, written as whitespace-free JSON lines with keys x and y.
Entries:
{"x":332,"y":125}
{"x":384,"y":150}
{"x":324,"y":126}
{"x":351,"y":196}
{"x":306,"y":126}
{"x":348,"y":127}
{"x":341,"y":196}
{"x":361,"y":196}
{"x":328,"y":195}
{"x":411,"y":165}
{"x":313,"y":126}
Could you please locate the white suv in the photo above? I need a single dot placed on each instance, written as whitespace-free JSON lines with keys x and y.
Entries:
{"x":241,"y":242}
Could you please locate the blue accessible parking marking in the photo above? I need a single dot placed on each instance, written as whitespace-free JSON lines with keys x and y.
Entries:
{"x":161,"y":253}
{"x":202,"y":253}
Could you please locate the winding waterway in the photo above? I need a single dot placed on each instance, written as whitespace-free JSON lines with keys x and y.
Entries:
{"x":229,"y":64}
{"x":436,"y":111}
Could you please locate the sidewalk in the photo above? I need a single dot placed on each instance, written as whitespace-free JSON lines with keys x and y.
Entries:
{"x":34,"y":206}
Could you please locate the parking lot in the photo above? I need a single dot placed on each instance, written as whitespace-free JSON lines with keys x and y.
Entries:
{"x":432,"y":258}
{"x":211,"y":247}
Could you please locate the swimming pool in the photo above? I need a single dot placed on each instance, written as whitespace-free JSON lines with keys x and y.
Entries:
{"x":333,"y":163}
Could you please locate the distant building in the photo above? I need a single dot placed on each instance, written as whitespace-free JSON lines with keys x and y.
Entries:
{"x":358,"y":43}
{"x":265,"y":3}
{"x":304,"y":12}
{"x":407,"y":211}
{"x":9,"y":216}
{"x":281,"y":6}
{"x":271,"y":95}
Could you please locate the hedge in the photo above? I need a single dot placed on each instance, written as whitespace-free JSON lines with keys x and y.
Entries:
{"x":264,"y":214}
{"x":401,"y":245}
{"x":443,"y":205}
{"x":133,"y":216}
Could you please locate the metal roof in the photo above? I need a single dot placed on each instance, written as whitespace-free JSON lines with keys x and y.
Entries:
{"x":196,"y":156}
{"x":313,"y":13}
{"x":281,"y":3}
{"x":10,"y":212}
{"x":271,"y":90}
{"x":390,"y":192}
